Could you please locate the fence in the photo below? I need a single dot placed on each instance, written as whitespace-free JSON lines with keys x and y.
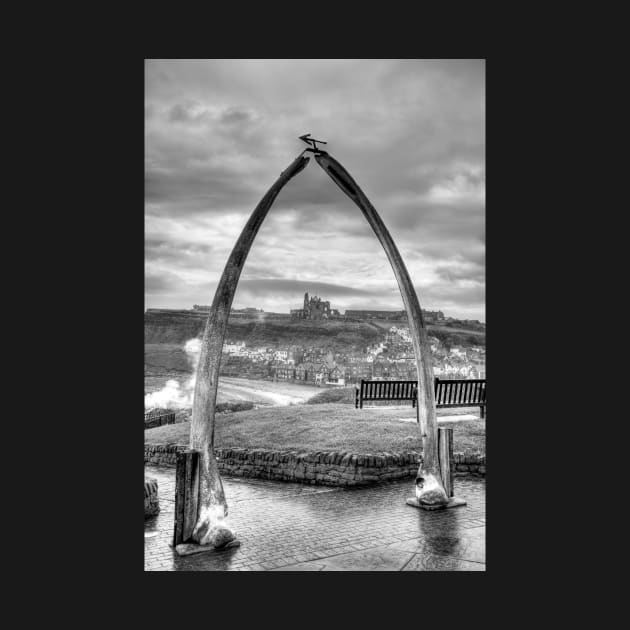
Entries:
{"x":158,"y":417}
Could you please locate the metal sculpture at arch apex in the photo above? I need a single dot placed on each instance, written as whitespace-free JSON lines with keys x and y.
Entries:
{"x":211,"y":527}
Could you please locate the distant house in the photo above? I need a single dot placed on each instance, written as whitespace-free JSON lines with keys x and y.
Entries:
{"x":458,"y":351}
{"x":284,"y":372}
{"x":358,"y":370}
{"x":234,"y":348}
{"x":312,"y":355}
{"x":296,"y":355}
{"x":355,"y":314}
{"x":308,"y":371}
{"x":337,"y":375}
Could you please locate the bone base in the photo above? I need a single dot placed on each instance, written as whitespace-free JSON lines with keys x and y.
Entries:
{"x":187,"y":549}
{"x":452,"y":502}
{"x":429,"y":490}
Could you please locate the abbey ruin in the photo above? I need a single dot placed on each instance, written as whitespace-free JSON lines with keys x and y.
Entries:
{"x":314,"y":308}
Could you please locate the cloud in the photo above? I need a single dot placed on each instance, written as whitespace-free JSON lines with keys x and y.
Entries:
{"x":455,"y":272}
{"x":236,"y":115}
{"x":261,"y":286}
{"x":158,"y":283}
{"x":411,"y":132}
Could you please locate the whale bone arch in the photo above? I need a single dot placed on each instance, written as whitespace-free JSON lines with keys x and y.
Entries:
{"x":211,"y":527}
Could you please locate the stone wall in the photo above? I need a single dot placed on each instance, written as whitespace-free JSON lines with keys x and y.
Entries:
{"x":470,"y":463}
{"x":151,"y":501}
{"x":323,"y":468}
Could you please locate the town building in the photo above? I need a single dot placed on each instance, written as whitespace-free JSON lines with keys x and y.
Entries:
{"x":358,"y":370}
{"x":458,"y":351}
{"x":249,"y":310}
{"x":336,"y":376}
{"x":432,"y":316}
{"x":234,"y":348}
{"x":354,"y":314}
{"x":309,"y":371}
{"x":296,"y":355}
{"x":283,"y":372}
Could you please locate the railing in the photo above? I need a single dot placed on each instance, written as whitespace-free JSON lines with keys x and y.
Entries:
{"x":156,"y":418}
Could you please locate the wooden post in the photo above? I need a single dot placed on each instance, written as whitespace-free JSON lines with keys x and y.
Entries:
{"x":191,"y":493}
{"x":445,"y":453}
{"x":186,"y":495}
{"x":180,"y":474}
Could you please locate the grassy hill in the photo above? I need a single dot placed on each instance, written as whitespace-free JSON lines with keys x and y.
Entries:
{"x":176,"y":327}
{"x":324,"y":427}
{"x":165,"y":358}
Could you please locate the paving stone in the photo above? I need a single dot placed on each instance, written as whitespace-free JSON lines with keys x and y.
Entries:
{"x":282,"y":525}
{"x":304,"y":566}
{"x":469,"y":545}
{"x":428,"y":562}
{"x":377,"y":559}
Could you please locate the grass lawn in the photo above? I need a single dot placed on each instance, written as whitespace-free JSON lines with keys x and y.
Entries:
{"x":325,"y":427}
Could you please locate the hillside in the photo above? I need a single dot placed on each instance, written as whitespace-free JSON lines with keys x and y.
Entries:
{"x":174,"y":328}
{"x":165,"y":358}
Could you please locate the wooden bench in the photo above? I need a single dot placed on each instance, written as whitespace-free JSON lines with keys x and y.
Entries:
{"x":448,"y":392}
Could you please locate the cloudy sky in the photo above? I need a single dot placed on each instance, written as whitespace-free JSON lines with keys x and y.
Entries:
{"x":411,"y":133}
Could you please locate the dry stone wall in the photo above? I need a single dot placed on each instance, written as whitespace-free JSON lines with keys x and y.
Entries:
{"x":335,"y":468}
{"x":151,"y":501}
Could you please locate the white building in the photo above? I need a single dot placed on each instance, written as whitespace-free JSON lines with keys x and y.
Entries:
{"x":234,"y":348}
{"x":402,"y":332}
{"x":457,"y":351}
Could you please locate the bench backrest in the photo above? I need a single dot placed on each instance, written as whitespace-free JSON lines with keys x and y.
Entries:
{"x":388,"y":390}
{"x":447,"y":391}
{"x":460,"y":392}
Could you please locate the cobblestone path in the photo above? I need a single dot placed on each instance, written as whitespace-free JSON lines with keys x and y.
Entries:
{"x":295,"y":527}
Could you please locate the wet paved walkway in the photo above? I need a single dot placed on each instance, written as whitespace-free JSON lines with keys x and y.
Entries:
{"x":295,"y":527}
